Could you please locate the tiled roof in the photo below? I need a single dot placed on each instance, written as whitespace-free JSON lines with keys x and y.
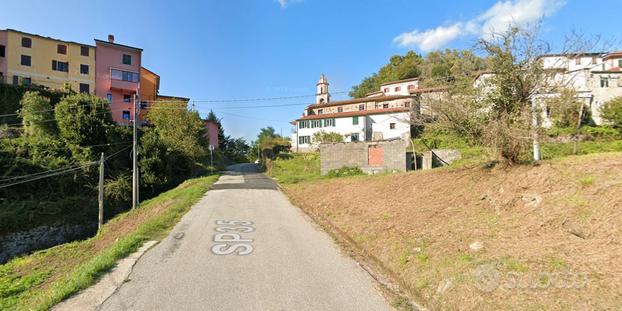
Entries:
{"x":399,"y":81}
{"x":613,"y":55}
{"x":354,"y":113}
{"x":44,"y":37}
{"x":372,"y":99}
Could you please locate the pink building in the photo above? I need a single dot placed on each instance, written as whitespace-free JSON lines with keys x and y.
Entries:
{"x":117,"y":77}
{"x":212,"y":133}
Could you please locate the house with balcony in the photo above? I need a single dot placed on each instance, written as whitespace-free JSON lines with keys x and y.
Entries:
{"x":381,"y":115}
{"x":117,"y":77}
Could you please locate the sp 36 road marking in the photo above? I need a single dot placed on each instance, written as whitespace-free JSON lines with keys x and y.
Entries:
{"x":228,"y":239}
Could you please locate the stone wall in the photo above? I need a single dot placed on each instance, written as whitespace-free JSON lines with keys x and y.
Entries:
{"x":22,"y":242}
{"x":370,"y":157}
{"x":447,"y":155}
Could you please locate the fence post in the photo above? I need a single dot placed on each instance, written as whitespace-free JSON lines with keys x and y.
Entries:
{"x":100,"y":220}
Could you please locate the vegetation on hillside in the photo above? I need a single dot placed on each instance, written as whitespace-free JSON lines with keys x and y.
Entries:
{"x":40,"y":280}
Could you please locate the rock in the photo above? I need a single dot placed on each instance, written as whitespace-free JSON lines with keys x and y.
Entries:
{"x":417,"y":250}
{"x":476,"y":246}
{"x":531,"y":200}
{"x":443,"y":286}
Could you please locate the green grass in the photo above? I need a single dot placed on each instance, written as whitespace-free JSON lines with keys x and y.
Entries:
{"x":559,"y":150}
{"x":69,"y":268}
{"x":296,"y":167}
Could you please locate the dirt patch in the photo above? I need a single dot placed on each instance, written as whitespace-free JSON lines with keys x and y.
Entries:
{"x":532,"y":234}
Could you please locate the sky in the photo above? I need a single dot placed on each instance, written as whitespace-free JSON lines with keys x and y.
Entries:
{"x":216,"y":51}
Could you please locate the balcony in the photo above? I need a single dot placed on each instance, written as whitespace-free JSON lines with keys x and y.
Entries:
{"x":123,"y":80}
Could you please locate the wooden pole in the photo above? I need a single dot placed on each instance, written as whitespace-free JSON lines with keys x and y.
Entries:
{"x":100,"y":220}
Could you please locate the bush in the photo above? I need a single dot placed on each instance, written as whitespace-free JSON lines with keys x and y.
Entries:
{"x":611,"y":111}
{"x":344,"y":171}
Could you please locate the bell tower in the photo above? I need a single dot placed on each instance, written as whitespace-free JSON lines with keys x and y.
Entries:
{"x":322,"y":96}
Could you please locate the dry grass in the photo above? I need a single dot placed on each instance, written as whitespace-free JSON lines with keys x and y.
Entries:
{"x":562,"y":216}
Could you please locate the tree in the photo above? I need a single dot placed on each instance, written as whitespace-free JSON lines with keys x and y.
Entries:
{"x":611,"y":111}
{"x":180,"y":130}
{"x":398,"y":68}
{"x":326,"y":137}
{"x":84,"y":120}
{"x":37,"y":115}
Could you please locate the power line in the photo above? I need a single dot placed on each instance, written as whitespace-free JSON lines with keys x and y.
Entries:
{"x":55,"y":172}
{"x":241,"y":99}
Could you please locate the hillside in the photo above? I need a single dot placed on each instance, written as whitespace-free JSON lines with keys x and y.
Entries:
{"x":549,"y":235}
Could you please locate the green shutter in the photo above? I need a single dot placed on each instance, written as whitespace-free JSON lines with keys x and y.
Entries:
{"x":355,"y":120}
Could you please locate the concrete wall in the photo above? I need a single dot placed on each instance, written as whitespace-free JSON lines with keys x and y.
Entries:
{"x":448,"y":155}
{"x":391,"y":157}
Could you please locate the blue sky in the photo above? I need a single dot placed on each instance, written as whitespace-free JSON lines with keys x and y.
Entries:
{"x":238,"y":49}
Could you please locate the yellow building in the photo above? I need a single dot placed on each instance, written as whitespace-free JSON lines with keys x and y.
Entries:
{"x":53,"y":63}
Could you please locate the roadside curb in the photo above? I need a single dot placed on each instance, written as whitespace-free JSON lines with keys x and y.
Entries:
{"x":94,"y":296}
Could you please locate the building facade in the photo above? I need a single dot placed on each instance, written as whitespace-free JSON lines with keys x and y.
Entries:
{"x":595,"y":77}
{"x":117,"y":77}
{"x":56,"y":64}
{"x":382,"y":115}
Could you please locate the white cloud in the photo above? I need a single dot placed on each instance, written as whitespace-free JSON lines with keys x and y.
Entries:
{"x":430,"y":39}
{"x":285,"y":3}
{"x":498,"y":18}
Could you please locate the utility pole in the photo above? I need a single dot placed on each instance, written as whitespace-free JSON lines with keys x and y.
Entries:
{"x":100,"y":219}
{"x":135,"y":155}
{"x":534,"y":124}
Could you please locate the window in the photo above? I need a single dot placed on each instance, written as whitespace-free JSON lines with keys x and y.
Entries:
{"x":84,"y":88}
{"x":316,"y":123}
{"x":27,"y":81}
{"x":355,"y":120}
{"x":26,"y":42}
{"x":304,"y":140}
{"x":355,"y":137}
{"x":127,"y":98}
{"x":329,"y":122}
{"x":143,"y":105}
{"x":126,"y":114}
{"x":25,"y":60}
{"x":386,"y":90}
{"x":362,"y":107}
{"x":109,"y":97}
{"x":619,"y":60}
{"x":407,"y":104}
{"x":2,"y":52}
{"x":385,"y":106}
{"x":84,"y":51}
{"x":61,"y":49}
{"x":604,"y":82}
{"x":339,"y":109}
{"x":127,"y":59}
{"x":577,"y":61}
{"x":593,"y":60}
{"x":392,"y":126}
{"x":15,"y":80}
{"x":411,"y":87}
{"x":397,"y":88}
{"x":84,"y":69}
{"x":60,"y":66}
{"x":124,"y":75}
{"x":320,"y":111}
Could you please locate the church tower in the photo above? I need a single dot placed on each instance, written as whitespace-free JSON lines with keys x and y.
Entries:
{"x":322,"y":96}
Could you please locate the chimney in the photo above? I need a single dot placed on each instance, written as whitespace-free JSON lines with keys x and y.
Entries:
{"x":111,"y":38}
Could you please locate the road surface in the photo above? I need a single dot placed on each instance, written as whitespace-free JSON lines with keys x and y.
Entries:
{"x":245,"y":247}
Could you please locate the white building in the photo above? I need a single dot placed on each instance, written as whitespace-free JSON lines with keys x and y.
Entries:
{"x":381,"y":115}
{"x":595,"y":77}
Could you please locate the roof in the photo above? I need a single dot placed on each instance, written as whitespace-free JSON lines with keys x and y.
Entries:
{"x":428,"y":90}
{"x":49,"y":38}
{"x":165,"y":97}
{"x":118,"y":45}
{"x":360,"y":100}
{"x":574,"y":54}
{"x":353,"y":113}
{"x":399,"y":81}
{"x":617,"y":54}
{"x":151,"y":72}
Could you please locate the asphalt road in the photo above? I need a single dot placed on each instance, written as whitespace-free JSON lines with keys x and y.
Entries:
{"x":245,"y":247}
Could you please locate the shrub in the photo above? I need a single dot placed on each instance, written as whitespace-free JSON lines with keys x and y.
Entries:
{"x":345,"y":171}
{"x":611,"y":111}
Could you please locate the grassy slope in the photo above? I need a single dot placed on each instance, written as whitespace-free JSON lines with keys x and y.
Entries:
{"x":41,"y":280}
{"x":557,"y":217}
